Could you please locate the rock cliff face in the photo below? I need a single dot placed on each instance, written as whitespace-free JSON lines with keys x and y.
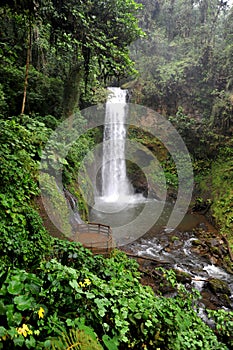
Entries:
{"x":147,"y":167}
{"x":137,"y":178}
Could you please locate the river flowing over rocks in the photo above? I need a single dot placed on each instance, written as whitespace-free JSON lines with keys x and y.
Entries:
{"x":197,"y":257}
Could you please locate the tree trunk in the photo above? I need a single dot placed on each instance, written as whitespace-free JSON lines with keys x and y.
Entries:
{"x":27,"y":69}
{"x":72,"y":90}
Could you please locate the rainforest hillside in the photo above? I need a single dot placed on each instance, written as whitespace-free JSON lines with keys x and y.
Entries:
{"x":57,"y":58}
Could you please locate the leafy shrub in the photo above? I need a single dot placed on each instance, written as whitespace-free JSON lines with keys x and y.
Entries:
{"x":108,"y":295}
{"x":23,"y":240}
{"x":11,"y":79}
{"x":3,"y":104}
{"x":45,"y":296}
{"x":223,"y":321}
{"x":55,"y":203}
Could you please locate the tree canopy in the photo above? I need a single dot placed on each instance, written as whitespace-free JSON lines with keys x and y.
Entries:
{"x":69,"y":43}
{"x":185,"y":60}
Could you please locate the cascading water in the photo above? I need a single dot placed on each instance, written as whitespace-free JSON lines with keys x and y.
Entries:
{"x":115,"y":184}
{"x":75,"y":218}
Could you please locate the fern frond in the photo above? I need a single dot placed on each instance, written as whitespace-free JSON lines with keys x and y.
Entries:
{"x":75,"y":339}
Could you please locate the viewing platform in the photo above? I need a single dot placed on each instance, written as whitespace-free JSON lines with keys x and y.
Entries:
{"x":94,"y":236}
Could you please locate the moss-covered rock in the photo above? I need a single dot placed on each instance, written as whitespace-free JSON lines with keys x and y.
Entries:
{"x":55,"y":204}
{"x":182,"y":276}
{"x":218,"y":286}
{"x":218,"y":184}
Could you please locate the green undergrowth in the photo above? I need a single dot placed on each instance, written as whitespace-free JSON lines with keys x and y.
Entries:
{"x":155,"y":160}
{"x":101,"y":296}
{"x":222,"y":180}
{"x":23,"y":239}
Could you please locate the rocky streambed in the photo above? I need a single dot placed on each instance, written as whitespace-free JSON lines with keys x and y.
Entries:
{"x":198,"y":255}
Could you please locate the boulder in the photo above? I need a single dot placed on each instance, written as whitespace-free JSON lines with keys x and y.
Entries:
{"x":218,"y":286}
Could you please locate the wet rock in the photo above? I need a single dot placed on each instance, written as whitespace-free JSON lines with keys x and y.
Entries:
{"x":164,"y":240}
{"x":225,"y":301}
{"x":215,"y":251}
{"x":167,"y":249}
{"x":209,"y":301}
{"x":214,"y":242}
{"x":223,"y":250}
{"x":218,"y":287}
{"x":182,"y":276}
{"x":177,"y":244}
{"x":174,"y":238}
{"x":214,"y":260}
{"x":201,"y":206}
{"x":215,"y":302}
{"x":203,"y":226}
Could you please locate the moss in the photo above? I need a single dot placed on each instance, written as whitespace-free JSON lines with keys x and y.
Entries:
{"x":217,"y":184}
{"x":55,"y":204}
{"x":222,"y":185}
{"x":82,"y":203}
{"x":174,"y":238}
{"x":218,"y":286}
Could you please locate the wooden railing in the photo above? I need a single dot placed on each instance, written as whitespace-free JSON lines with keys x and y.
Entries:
{"x":97,"y":228}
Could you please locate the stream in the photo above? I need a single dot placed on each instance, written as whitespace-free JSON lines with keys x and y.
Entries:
{"x":180,"y":249}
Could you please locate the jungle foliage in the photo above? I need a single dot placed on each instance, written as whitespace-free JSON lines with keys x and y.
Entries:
{"x":59,"y":51}
{"x":56,"y":294}
{"x":185,"y":60}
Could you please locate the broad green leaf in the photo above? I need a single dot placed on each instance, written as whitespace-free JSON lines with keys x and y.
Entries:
{"x":74,"y":284}
{"x":30,"y":343}
{"x":19,"y":341}
{"x":2,"y":308}
{"x":15,"y":287}
{"x":2,"y":331}
{"x":14,"y":318}
{"x":23,"y":302}
{"x":110,"y":343}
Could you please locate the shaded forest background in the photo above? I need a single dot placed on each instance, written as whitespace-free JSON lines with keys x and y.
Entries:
{"x":186,"y":59}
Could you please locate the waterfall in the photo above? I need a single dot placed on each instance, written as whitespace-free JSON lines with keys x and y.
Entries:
{"x":115,"y":184}
{"x":75,"y":218}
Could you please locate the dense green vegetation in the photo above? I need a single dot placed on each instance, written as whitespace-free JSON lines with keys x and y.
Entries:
{"x":185,"y":60}
{"x":186,"y":75}
{"x":74,"y":290}
{"x":56,"y":57}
